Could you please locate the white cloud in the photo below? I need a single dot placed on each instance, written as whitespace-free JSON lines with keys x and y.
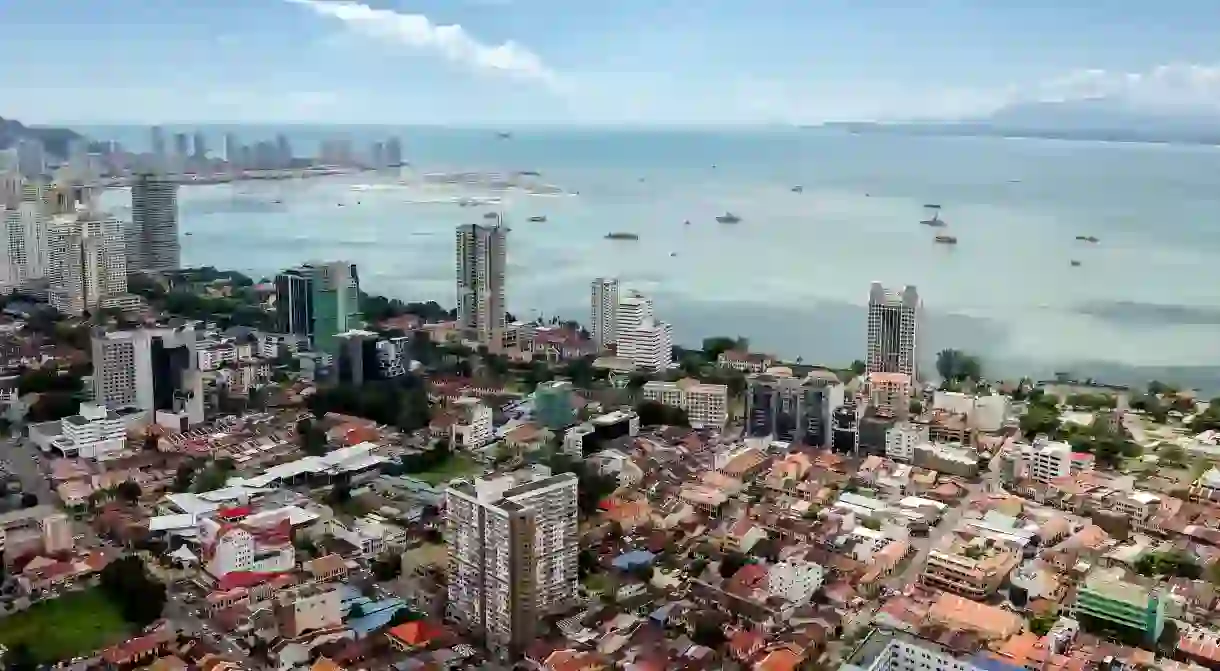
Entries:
{"x":1174,"y":84}
{"x":451,"y":42}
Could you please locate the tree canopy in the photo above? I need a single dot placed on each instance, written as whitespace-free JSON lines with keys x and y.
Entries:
{"x":956,"y":365}
{"x":140,"y":598}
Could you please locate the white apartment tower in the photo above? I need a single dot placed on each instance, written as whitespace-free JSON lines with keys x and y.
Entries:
{"x":649,"y":346}
{"x":632,"y":310}
{"x":513,"y":542}
{"x":706,"y":405}
{"x":88,"y":263}
{"x":603,"y":298}
{"x":481,"y":258}
{"x":152,"y":241}
{"x":893,"y":323}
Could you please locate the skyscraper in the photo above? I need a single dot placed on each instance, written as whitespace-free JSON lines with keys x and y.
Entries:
{"x":152,"y":240}
{"x":603,"y":298}
{"x":893,"y":324}
{"x":481,"y":258}
{"x":25,"y":236}
{"x":87,"y":262}
{"x":335,"y":295}
{"x":201,"y":145}
{"x":157,"y":146}
{"x":393,"y":152}
{"x":649,"y":345}
{"x":632,"y":310}
{"x":283,"y":151}
{"x":182,"y":147}
{"x":513,"y":543}
{"x":294,"y":301}
{"x":232,"y":150}
{"x":153,"y":369}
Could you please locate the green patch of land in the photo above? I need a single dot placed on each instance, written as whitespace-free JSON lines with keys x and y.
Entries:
{"x":74,"y":624}
{"x":456,"y":466}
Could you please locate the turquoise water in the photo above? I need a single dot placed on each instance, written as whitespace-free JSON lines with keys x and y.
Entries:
{"x":794,"y":274}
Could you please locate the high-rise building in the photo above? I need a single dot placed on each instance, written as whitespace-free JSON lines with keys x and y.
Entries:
{"x":513,"y":543}
{"x":481,"y":258}
{"x":603,"y":298}
{"x":154,"y":369}
{"x":25,"y":236}
{"x":152,"y":241}
{"x":157,"y":146}
{"x":294,"y":301}
{"x":87,"y":262}
{"x":393,"y":152}
{"x":791,"y":409}
{"x":890,"y":394}
{"x":632,"y":310}
{"x":201,"y":145}
{"x":283,"y":151}
{"x":649,"y":345}
{"x":182,"y":147}
{"x":335,"y":294}
{"x":706,"y":405}
{"x":377,"y":155}
{"x":893,"y":323}
{"x":357,"y":360}
{"x":232,"y":149}
{"x":31,"y":158}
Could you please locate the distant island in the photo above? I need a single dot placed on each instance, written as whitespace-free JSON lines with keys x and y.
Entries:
{"x":54,"y":140}
{"x":1095,"y":120}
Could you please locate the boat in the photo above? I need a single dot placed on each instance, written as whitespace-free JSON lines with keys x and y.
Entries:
{"x":530,"y":173}
{"x":728,"y":218}
{"x":490,"y":215}
{"x":673,"y":253}
{"x":1075,"y":263}
{"x":1087,"y":238}
{"x":934,"y":222}
{"x":277,"y":201}
{"x":341,"y":205}
{"x":932,"y":206}
{"x":503,"y":135}
{"x":798,"y":189}
{"x":686,"y":223}
{"x":188,"y":233}
{"x":945,"y":240}
{"x":622,"y":236}
{"x":538,"y":219}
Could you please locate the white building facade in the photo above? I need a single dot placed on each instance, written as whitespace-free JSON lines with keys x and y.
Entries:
{"x":474,"y":427}
{"x":648,"y":346}
{"x":706,"y":405}
{"x":88,"y":264}
{"x":901,"y":439}
{"x":93,"y":433}
{"x":795,"y":580}
{"x":603,"y":311}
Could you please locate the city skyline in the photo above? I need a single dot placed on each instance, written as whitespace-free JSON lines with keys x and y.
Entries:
{"x":328,"y":60}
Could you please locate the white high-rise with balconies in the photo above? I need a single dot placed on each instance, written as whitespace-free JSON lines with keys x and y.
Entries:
{"x":88,"y":262}
{"x":632,"y":310}
{"x":513,"y":543}
{"x":648,"y":346}
{"x":481,"y":257}
{"x":603,"y":298}
{"x":893,"y":324}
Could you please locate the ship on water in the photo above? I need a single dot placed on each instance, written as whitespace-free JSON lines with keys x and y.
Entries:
{"x":538,"y":219}
{"x":728,"y":218}
{"x":945,"y":240}
{"x":622,"y":236}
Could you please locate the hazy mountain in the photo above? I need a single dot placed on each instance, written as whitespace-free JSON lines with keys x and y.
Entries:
{"x":54,"y":140}
{"x":1093,"y":119}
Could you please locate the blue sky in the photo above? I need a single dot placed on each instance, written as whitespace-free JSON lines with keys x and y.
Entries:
{"x":625,"y":61}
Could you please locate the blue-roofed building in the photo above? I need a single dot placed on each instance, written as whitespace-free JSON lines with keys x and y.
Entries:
{"x":633,"y":559}
{"x":985,"y":662}
{"x":374,"y":613}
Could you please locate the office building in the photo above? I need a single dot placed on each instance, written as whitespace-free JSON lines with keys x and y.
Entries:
{"x":890,"y":394}
{"x":513,"y":543}
{"x":182,"y":149}
{"x":95,"y":432}
{"x":154,"y":369}
{"x":232,"y":148}
{"x":706,"y":405}
{"x":201,"y":146}
{"x":901,"y":440}
{"x":357,"y":360}
{"x":152,"y":241}
{"x":31,"y":158}
{"x":393,"y":152}
{"x":603,"y":297}
{"x":473,"y":428}
{"x":335,"y":295}
{"x":294,"y":301}
{"x":25,"y":223}
{"x":632,"y":311}
{"x":283,"y":151}
{"x":157,"y":146}
{"x":481,"y":258}
{"x":845,"y":429}
{"x":649,"y":346}
{"x":553,"y":404}
{"x":57,"y":534}
{"x":893,"y":324}
{"x":792,"y":409}
{"x":1109,"y":597}
{"x":394,"y":356}
{"x":1049,"y":460}
{"x":88,"y":264}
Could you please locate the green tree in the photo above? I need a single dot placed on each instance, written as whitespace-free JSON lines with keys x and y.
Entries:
{"x":858,"y":367}
{"x":140,"y":598}
{"x":956,"y":365}
{"x":1039,"y":419}
{"x":128,"y":491}
{"x":714,"y":346}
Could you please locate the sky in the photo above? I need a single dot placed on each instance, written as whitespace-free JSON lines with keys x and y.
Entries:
{"x":578,"y":61}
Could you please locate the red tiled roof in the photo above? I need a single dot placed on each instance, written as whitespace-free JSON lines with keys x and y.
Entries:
{"x":236,"y":512}
{"x":416,"y":633}
{"x":246,"y":579}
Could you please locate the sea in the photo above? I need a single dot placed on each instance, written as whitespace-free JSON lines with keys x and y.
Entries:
{"x":793,"y":275}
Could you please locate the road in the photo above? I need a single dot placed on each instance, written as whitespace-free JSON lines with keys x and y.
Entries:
{"x":24,"y":460}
